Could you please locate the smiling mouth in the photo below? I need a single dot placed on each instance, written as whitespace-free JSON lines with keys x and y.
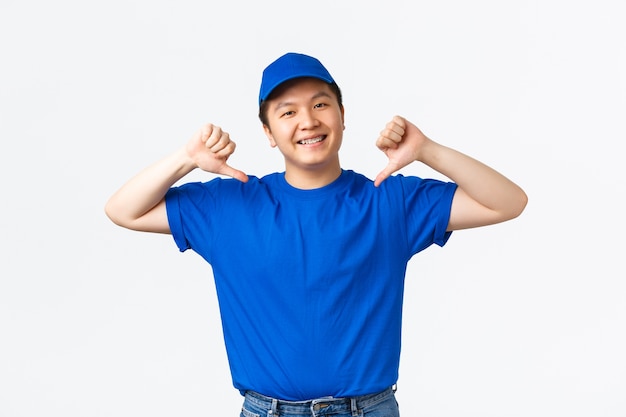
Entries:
{"x":311,"y":141}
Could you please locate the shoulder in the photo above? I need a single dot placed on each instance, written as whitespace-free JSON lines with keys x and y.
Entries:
{"x":215,"y":184}
{"x":216,"y":190}
{"x":412,"y":182}
{"x":417,"y":191}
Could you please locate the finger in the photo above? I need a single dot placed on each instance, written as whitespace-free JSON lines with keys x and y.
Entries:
{"x":399,"y":121}
{"x":226,"y":151}
{"x":205,"y":132}
{"x":397,"y":124}
{"x":384,"y":143}
{"x":393,"y":132}
{"x":215,"y":136}
{"x":222,"y":143}
{"x":234,"y":173}
{"x":384,"y":174}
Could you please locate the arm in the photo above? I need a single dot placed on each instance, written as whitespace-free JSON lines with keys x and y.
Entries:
{"x":484,"y":196}
{"x":140,"y":203}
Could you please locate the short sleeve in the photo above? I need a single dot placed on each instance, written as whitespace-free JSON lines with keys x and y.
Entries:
{"x":172,"y":204}
{"x":428,"y":203}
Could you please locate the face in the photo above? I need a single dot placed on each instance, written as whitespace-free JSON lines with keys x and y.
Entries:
{"x":305,"y":122}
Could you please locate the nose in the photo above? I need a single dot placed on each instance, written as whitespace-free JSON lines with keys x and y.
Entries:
{"x":308,"y":119}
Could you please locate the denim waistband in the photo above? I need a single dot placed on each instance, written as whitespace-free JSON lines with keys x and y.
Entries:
{"x":276,"y":407}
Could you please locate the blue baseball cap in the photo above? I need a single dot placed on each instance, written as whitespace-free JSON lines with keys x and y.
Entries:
{"x":289,"y":66}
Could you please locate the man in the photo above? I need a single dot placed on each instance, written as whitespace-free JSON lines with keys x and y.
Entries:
{"x":309,"y":263}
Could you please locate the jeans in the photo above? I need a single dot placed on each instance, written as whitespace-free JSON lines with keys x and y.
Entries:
{"x":382,"y":404}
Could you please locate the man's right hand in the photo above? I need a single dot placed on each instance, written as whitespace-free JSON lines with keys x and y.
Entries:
{"x":209,"y":148}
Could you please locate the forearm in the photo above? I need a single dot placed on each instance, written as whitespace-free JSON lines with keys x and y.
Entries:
{"x":146,"y":190}
{"x":482,"y":184}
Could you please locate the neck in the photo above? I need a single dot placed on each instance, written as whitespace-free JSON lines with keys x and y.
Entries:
{"x":308,"y":179}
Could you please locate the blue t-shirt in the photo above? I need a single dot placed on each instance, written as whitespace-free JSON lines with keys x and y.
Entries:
{"x":310,"y":282}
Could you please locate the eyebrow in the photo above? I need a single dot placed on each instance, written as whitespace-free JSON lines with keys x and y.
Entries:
{"x":315,"y":96}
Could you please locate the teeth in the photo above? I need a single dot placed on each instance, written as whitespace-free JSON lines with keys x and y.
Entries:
{"x":311,"y":141}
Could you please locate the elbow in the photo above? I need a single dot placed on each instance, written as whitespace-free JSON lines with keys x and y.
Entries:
{"x":113,"y":214}
{"x":519,"y":204}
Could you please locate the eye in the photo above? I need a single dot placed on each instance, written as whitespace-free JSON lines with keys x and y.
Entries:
{"x":287,"y":113}
{"x":319,"y":105}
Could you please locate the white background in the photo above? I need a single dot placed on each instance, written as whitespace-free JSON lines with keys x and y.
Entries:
{"x":526,"y":318}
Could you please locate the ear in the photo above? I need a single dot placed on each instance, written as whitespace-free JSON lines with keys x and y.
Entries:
{"x":343,"y":119}
{"x":269,"y":135}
